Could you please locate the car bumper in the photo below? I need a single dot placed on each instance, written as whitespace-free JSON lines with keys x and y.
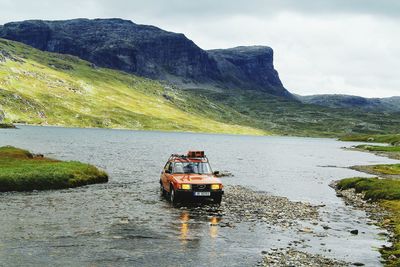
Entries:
{"x":189,"y":194}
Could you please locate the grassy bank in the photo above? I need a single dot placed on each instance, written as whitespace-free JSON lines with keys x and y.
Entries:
{"x":386,"y":192}
{"x":6,"y":125}
{"x":20,"y":170}
{"x":385,"y":189}
{"x":393,"y":139}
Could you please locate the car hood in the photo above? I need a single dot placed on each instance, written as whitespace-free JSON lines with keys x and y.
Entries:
{"x":197,"y":179}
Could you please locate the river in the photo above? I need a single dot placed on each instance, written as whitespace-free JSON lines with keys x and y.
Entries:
{"x":127,"y":223}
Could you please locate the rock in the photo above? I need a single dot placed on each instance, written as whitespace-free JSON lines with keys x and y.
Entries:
{"x":151,"y":52}
{"x":354,"y":232}
{"x":358,"y":264}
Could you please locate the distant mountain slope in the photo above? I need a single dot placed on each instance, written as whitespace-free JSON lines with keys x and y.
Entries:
{"x":46,"y":88}
{"x":390,"y":104}
{"x":151,"y":52}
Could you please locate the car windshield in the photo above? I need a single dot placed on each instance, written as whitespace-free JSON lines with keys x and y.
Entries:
{"x":192,"y":167}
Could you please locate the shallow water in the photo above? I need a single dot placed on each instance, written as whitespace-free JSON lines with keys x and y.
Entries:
{"x":126,"y":223}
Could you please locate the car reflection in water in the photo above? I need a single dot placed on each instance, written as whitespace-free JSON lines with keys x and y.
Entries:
{"x":186,"y":227}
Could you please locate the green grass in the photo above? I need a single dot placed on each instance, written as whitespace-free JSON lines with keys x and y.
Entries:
{"x":51,"y":89}
{"x":288,"y":117}
{"x":379,"y":148}
{"x":387,"y":193}
{"x":44,"y":88}
{"x":374,"y":188}
{"x":393,"y":139}
{"x":22,"y":171}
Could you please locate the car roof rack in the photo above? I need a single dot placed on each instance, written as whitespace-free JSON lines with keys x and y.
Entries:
{"x":191,"y":155}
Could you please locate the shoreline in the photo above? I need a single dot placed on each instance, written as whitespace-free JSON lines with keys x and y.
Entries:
{"x":23,"y":171}
{"x":375,"y":196}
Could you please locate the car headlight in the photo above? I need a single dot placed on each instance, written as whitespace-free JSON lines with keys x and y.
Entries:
{"x":215,"y":186}
{"x":186,"y":186}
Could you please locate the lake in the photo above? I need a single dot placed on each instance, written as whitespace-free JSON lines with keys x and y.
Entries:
{"x":127,"y":223}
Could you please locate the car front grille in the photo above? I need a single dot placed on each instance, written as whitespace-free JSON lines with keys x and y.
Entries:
{"x":201,"y":187}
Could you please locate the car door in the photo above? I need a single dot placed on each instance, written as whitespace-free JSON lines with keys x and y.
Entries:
{"x":165,"y":177}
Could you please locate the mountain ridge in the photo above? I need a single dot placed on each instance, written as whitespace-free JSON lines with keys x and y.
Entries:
{"x":386,"y":104}
{"x":151,"y":52}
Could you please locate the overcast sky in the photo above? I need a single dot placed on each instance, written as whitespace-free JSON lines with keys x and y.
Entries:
{"x":321,"y":46}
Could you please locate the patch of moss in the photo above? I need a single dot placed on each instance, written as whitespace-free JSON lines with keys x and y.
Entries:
{"x":20,"y":170}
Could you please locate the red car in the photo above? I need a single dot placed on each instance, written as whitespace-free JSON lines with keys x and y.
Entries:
{"x":189,"y":177}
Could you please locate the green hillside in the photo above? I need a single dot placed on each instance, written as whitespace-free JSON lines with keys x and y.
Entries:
{"x":45,"y":88}
{"x":51,"y":89}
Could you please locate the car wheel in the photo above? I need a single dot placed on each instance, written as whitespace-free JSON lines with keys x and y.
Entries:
{"x":162,"y":190}
{"x":172,"y":196}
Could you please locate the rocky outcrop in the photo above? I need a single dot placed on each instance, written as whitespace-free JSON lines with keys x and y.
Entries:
{"x":249,"y":67}
{"x":151,"y":52}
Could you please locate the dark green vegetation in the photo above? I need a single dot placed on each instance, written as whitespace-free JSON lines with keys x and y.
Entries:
{"x":384,"y":189}
{"x":288,"y":117}
{"x":22,"y":171}
{"x":6,"y":125}
{"x":393,"y":139}
{"x":387,"y":193}
{"x":379,"y":148}
{"x":389,"y":104}
{"x":374,"y":188}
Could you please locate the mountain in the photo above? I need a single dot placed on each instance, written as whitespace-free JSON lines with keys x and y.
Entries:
{"x":151,"y":52}
{"x":43,"y":88}
{"x":390,"y":104}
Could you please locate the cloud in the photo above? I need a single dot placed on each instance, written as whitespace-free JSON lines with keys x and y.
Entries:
{"x":321,"y":46}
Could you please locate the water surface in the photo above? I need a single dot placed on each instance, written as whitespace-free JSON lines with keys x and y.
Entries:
{"x":126,"y":223}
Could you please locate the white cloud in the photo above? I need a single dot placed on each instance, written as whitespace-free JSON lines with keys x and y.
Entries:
{"x":341,"y":46}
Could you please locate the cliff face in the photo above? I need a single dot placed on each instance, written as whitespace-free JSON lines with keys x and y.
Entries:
{"x":151,"y":52}
{"x":249,"y":67}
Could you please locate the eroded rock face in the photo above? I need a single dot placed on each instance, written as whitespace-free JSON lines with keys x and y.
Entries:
{"x":250,"y":67}
{"x":151,"y":52}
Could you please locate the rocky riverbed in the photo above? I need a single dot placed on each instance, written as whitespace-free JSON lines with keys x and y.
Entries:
{"x":241,"y":204}
{"x":291,"y":257}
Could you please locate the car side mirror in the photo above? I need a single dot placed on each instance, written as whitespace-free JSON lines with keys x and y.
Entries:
{"x":216,"y":173}
{"x":167,"y":171}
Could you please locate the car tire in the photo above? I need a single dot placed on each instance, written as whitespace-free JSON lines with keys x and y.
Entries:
{"x":217,"y":200}
{"x":162,"y":190}
{"x":172,"y":195}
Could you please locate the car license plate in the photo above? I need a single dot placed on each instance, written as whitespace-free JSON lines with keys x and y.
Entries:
{"x":202,"y":194}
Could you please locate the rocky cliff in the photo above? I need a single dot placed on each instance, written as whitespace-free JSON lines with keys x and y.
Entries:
{"x":151,"y":52}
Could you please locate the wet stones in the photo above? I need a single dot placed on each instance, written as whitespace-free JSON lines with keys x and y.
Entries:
{"x":241,"y":204}
{"x":292,"y":257}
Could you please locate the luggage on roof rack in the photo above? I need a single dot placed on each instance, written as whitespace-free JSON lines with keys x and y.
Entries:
{"x":195,"y":154}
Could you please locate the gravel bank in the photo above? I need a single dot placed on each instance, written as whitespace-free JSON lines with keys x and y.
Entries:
{"x":291,"y":257}
{"x":240,"y":204}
